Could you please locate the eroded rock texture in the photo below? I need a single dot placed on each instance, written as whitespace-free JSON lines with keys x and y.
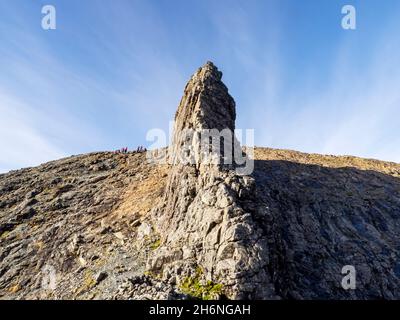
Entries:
{"x":318,"y":219}
{"x":79,"y":218}
{"x":113,"y":226}
{"x":206,"y":221}
{"x":284,"y":232}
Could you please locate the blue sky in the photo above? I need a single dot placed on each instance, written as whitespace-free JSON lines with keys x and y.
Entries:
{"x":112,"y":70}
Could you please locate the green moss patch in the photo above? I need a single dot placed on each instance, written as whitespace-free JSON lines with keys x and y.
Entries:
{"x":194,"y":287}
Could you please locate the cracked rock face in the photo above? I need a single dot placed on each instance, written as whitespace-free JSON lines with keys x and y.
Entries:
{"x":113,"y":226}
{"x":205,"y":221}
{"x":286,"y":231}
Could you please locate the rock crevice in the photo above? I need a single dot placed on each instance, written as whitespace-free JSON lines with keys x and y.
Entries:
{"x":204,"y":215}
{"x":115,"y":226}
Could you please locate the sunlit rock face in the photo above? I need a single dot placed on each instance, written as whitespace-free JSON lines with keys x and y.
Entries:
{"x":204,"y":224}
{"x":114,"y":226}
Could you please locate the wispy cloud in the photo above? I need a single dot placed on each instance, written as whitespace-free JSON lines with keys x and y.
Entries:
{"x":358,"y":112}
{"x":21,"y":144}
{"x":350,"y":109}
{"x":111,"y":72}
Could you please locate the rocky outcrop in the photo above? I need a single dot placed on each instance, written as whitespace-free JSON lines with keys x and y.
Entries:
{"x":205,"y":221}
{"x":115,"y":226}
{"x":321,"y":213}
{"x":284,"y":232}
{"x":73,"y":228}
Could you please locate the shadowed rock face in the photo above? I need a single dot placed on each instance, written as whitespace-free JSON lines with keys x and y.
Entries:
{"x":286,"y":231}
{"x":115,"y":226}
{"x":318,"y":219}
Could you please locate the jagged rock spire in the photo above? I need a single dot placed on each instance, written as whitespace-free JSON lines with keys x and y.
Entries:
{"x":206,"y":104}
{"x":202,"y":221}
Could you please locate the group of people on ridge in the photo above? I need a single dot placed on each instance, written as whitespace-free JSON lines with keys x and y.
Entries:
{"x":125,"y":150}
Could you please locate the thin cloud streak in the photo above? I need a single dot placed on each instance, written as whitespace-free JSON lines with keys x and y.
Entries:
{"x":129,"y":62}
{"x":24,"y":146}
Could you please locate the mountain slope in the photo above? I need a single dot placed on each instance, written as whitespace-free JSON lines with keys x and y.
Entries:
{"x":114,"y":226}
{"x":27,"y":243}
{"x":79,"y":215}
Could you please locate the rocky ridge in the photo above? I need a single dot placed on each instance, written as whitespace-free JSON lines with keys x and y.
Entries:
{"x":113,"y":226}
